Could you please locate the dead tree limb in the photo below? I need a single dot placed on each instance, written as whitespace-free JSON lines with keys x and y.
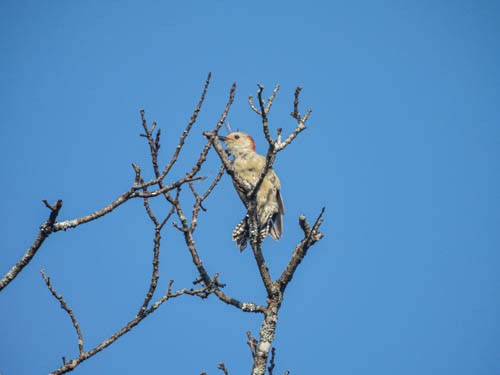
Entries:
{"x":187,"y":227}
{"x":141,"y":315}
{"x":46,"y":229}
{"x":137,"y":190}
{"x":275,"y":289}
{"x":188,"y":220}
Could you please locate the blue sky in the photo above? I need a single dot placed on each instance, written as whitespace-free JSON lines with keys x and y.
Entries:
{"x":401,"y":148}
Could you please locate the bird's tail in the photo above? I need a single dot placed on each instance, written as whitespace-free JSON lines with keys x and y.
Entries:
{"x":241,"y":232}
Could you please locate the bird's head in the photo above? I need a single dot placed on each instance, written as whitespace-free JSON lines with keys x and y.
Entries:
{"x":238,"y":143}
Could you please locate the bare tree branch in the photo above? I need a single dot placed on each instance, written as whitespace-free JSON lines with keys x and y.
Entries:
{"x":259,"y":256}
{"x":208,"y":145}
{"x":271,"y":98}
{"x":190,"y":243}
{"x":276,"y":289}
{"x":252,"y":343}
{"x":222,"y":367}
{"x":66,"y":308}
{"x":200,"y":198}
{"x":311,"y":236}
{"x":172,"y":192}
{"x":46,"y":229}
{"x":275,"y":146}
{"x":73,"y":363}
{"x":270,"y":369}
{"x":301,"y":121}
{"x":156,"y":253}
{"x":254,"y":108}
{"x":129,"y":194}
{"x":134,"y":192}
{"x":140,"y":189}
{"x":263,"y":112}
{"x":266,"y":334}
{"x":187,"y":228}
{"x":188,"y":128}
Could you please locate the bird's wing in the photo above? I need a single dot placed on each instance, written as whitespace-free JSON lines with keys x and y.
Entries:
{"x":281,"y":206}
{"x":276,"y":229}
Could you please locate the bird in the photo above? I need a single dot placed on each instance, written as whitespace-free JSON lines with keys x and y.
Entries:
{"x":248,"y":165}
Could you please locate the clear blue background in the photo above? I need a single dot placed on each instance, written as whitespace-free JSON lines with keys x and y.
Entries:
{"x":401,"y":147}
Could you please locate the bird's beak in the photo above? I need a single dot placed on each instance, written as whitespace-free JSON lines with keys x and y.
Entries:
{"x":222,"y":138}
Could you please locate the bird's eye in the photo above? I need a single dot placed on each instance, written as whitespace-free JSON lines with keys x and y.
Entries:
{"x":236,"y":136}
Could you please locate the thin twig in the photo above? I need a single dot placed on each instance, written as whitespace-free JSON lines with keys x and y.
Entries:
{"x":301,"y":121}
{"x":200,"y":198}
{"x":254,"y":108}
{"x":252,"y":343}
{"x":222,"y":119}
{"x":66,"y":308}
{"x":270,"y":369}
{"x":222,"y":367}
{"x":188,"y":127}
{"x":72,"y":364}
{"x":155,"y":275}
{"x":271,"y":98}
{"x":264,"y":113}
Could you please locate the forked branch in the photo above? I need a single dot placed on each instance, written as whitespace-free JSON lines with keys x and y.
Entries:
{"x":187,"y":227}
{"x":84,"y":355}
{"x":188,"y":219}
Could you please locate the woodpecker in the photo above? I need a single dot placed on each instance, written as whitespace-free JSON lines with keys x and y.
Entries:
{"x":249,"y":165}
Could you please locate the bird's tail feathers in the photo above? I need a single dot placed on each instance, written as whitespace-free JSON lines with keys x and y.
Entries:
{"x":272,"y":227}
{"x":240,"y":234}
